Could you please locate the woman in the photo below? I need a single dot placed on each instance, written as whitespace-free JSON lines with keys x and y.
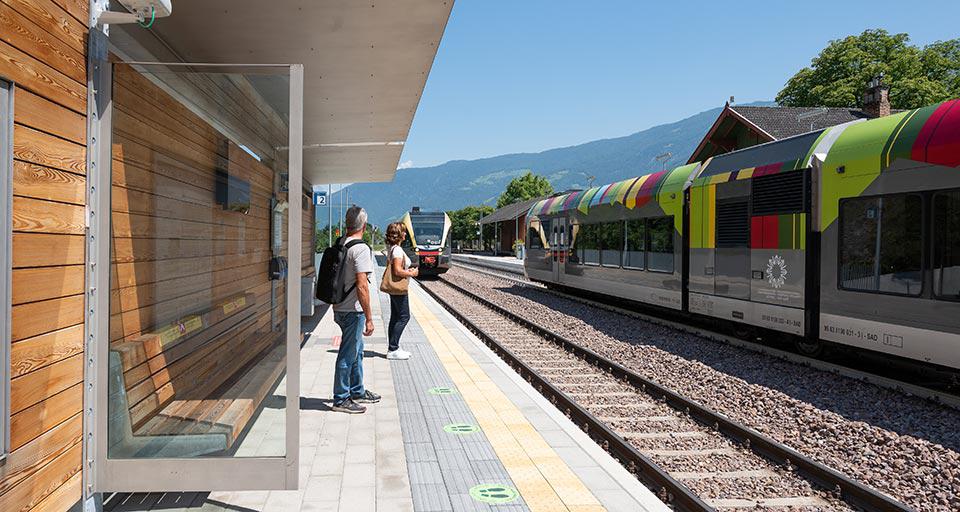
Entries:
{"x":399,"y":305}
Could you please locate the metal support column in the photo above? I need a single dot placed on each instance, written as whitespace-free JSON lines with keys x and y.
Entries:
{"x":97,"y":260}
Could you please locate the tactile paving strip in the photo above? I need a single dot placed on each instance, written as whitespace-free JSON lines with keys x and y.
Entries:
{"x":542,"y":478}
{"x":443,"y":466}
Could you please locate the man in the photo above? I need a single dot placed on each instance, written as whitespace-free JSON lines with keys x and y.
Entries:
{"x":355,"y":320}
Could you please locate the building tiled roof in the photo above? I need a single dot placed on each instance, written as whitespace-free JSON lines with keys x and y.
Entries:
{"x":782,"y":122}
{"x":509,"y":212}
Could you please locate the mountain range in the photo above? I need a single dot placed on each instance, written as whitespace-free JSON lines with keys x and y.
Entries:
{"x":459,"y":183}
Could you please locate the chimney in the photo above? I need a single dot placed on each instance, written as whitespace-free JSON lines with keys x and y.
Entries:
{"x":876,"y":99}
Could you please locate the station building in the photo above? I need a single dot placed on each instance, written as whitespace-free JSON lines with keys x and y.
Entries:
{"x":508,"y":225}
{"x":743,"y":126}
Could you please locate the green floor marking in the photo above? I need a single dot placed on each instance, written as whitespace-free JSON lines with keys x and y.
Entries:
{"x":442,"y":390}
{"x":461,"y":428}
{"x":493,"y":493}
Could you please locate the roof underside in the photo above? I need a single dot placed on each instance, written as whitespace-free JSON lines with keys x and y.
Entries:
{"x":365,"y":66}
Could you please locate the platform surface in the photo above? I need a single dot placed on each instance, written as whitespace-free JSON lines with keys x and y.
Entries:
{"x":453,"y":418}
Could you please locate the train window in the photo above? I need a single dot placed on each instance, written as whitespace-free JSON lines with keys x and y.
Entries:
{"x":946,"y":245}
{"x":636,"y":244}
{"x":589,"y":244}
{"x":611,"y":243}
{"x":533,"y":236}
{"x":880,"y":249}
{"x":660,"y":244}
{"x":573,"y":233}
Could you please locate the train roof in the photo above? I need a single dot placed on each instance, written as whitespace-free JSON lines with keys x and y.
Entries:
{"x":793,"y":149}
{"x":928,"y":134}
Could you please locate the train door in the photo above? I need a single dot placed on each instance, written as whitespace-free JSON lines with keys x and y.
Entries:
{"x":559,"y":241}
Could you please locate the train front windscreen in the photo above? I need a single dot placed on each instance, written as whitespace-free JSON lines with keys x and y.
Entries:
{"x":428,"y":230}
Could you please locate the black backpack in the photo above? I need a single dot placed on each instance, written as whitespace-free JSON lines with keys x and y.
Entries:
{"x":331,"y":276}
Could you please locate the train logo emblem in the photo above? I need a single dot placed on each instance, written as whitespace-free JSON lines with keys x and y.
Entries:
{"x":776,"y":271}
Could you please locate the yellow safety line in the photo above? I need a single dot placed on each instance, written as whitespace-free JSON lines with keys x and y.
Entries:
{"x":543,"y":479}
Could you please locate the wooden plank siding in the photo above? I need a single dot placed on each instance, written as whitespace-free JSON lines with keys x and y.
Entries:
{"x":43,"y":52}
{"x":309,"y":246}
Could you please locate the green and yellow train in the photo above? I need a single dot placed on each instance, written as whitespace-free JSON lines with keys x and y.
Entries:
{"x":848,"y":235}
{"x":428,"y":242}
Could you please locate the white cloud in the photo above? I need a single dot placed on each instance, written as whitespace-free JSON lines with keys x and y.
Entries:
{"x":405,"y":165}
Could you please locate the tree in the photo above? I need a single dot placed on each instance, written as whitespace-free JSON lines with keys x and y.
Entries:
{"x":524,"y":187}
{"x":839,"y":74}
{"x":372,"y":235}
{"x":463,"y":222}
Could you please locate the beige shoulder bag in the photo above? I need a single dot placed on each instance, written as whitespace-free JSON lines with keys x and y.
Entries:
{"x":391,"y":284}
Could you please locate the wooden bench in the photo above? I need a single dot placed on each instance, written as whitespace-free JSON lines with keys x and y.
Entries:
{"x":189,"y":388}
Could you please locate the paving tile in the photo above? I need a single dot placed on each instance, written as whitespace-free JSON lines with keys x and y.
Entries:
{"x":395,"y":505}
{"x":361,"y":454}
{"x":323,"y":488}
{"x":320,"y":506}
{"x":362,"y":500}
{"x":283,"y":501}
{"x":359,"y":475}
{"x":393,"y":485}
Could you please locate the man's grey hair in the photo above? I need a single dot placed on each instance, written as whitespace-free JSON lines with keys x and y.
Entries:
{"x":356,"y":219}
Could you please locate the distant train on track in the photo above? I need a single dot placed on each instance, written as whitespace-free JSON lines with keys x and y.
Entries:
{"x":849,"y":235}
{"x":428,"y":242}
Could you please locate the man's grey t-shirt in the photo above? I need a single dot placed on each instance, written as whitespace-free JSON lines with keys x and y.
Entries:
{"x":359,"y":260}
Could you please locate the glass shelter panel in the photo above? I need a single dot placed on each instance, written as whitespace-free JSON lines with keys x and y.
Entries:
{"x":199,"y":324}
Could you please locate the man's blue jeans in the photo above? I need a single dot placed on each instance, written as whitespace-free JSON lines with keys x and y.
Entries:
{"x":348,"y":374}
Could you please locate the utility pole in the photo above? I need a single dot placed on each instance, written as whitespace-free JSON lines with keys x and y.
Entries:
{"x":663,"y":158}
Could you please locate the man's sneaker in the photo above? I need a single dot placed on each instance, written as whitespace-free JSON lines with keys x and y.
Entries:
{"x":398,"y":355}
{"x":368,"y":397}
{"x":350,"y":407}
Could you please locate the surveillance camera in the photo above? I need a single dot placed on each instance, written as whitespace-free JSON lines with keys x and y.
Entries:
{"x":140,"y":11}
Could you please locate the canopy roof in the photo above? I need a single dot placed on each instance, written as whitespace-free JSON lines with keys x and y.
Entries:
{"x":510,"y":212}
{"x":365,"y":66}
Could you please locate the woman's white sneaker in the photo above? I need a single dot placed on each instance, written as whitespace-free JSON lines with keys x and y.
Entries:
{"x":398,"y":355}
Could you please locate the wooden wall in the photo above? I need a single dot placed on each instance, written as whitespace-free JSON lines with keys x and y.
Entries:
{"x":42,"y":50}
{"x":162,"y":192}
{"x":309,"y":247}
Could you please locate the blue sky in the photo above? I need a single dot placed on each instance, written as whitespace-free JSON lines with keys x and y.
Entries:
{"x":528,"y":75}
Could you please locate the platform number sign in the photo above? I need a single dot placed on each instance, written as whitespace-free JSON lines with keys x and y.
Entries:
{"x":320,"y":198}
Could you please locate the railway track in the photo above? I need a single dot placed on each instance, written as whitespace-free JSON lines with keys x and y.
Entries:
{"x":693,"y":457}
{"x":934,"y":395}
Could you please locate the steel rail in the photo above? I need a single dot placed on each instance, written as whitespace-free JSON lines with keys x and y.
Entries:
{"x":925,"y":393}
{"x":670,"y":490}
{"x":846,"y":488}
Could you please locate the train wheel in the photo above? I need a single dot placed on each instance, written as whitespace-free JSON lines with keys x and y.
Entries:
{"x":808,"y":347}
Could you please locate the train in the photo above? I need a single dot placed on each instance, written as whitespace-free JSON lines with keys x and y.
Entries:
{"x":848,"y":235}
{"x":428,"y":243}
